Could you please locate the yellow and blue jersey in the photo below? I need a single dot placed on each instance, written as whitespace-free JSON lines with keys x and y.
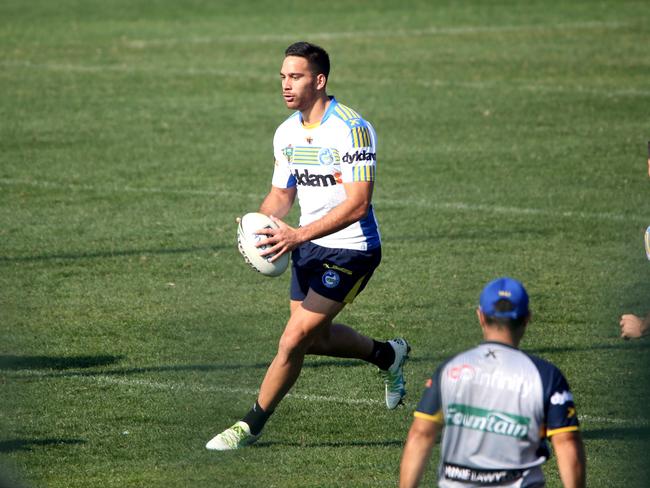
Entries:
{"x":319,"y":159}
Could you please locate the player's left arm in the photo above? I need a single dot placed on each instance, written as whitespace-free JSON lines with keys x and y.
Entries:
{"x":571,"y":462}
{"x":417,"y":451}
{"x":562,"y":425}
{"x":352,"y":209}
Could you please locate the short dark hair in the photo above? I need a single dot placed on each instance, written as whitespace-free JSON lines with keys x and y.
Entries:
{"x":316,"y":56}
{"x":505,"y":305}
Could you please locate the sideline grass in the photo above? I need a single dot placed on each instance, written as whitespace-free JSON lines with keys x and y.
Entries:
{"x":511,"y":141}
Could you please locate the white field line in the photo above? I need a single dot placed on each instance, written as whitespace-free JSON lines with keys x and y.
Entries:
{"x":398,"y":33}
{"x":130,"y":69}
{"x":411,"y":202}
{"x":226,"y":389}
{"x":375,"y":34}
{"x":541,"y":87}
{"x":178,"y":386}
{"x":123,"y":189}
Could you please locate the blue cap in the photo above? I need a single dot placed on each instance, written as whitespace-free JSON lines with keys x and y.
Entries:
{"x":508,"y":289}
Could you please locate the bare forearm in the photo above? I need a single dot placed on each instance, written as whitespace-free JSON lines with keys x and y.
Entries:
{"x":277,"y":203}
{"x":336,"y":219}
{"x":570,"y":459}
{"x":414,"y":462}
{"x":572,"y":473}
{"x":284,"y":238}
{"x":417,"y":451}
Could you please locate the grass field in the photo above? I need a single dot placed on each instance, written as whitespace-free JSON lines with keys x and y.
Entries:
{"x":512,"y":140}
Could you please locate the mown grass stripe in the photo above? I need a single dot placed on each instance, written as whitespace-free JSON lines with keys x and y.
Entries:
{"x":196,"y":388}
{"x":413,"y":202}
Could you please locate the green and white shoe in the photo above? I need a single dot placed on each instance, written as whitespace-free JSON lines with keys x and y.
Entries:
{"x":236,"y":437}
{"x":394,"y":376}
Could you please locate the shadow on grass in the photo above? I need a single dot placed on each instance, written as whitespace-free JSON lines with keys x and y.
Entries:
{"x":109,"y":254}
{"x":623,"y":345}
{"x":386,"y":443}
{"x":28,"y":444}
{"x":15,"y":363}
{"x":619,"y":433}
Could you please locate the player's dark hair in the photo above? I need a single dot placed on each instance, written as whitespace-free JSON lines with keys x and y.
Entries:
{"x":316,"y":56}
{"x":505,"y":305}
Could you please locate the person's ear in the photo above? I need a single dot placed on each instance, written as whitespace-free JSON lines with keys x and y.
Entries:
{"x":321,"y":81}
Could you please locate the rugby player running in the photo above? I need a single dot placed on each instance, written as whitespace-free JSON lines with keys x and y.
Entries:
{"x":325,"y":155}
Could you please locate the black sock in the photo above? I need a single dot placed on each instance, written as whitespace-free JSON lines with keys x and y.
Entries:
{"x":256,"y":418}
{"x":382,"y":355}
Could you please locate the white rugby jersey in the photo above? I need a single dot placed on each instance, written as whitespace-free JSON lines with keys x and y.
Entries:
{"x":498,"y":405}
{"x":318,"y":160}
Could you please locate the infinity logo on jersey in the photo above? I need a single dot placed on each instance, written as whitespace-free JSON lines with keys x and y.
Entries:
{"x":307,"y":179}
{"x":462,"y":372}
{"x":359,"y":156}
{"x":331,"y":278}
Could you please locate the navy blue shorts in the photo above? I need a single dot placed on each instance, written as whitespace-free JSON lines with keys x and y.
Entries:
{"x":337,"y":274}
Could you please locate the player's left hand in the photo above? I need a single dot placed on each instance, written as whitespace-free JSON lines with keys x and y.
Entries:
{"x":281,"y":240}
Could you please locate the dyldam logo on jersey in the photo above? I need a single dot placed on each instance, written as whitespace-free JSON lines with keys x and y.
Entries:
{"x":487,"y":420}
{"x":560,"y":398}
{"x":359,"y":156}
{"x":308,"y":179}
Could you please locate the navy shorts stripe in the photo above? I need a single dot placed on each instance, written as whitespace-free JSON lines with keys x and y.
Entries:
{"x":337,"y":274}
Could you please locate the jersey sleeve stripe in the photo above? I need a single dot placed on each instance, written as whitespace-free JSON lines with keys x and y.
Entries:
{"x":363,"y":173}
{"x":438,"y":417}
{"x":355,"y":138}
{"x":361,"y":137}
{"x":349,"y":112}
{"x":571,"y":428}
{"x":341,"y":113}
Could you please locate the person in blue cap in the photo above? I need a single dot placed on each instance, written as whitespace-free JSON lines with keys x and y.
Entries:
{"x":496,"y":406}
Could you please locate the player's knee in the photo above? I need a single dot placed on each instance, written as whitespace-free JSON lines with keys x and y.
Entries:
{"x":293,"y":341}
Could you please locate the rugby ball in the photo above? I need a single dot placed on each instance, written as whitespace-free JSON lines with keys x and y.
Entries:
{"x":247,"y":238}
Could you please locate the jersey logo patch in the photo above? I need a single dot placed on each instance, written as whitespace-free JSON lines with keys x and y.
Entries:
{"x":561,"y":398}
{"x":288,"y":152}
{"x":325,"y":156}
{"x":331,"y":278}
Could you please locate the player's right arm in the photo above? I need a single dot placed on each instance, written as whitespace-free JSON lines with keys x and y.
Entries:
{"x":570,"y":455}
{"x":278,"y":202}
{"x":428,"y":422}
